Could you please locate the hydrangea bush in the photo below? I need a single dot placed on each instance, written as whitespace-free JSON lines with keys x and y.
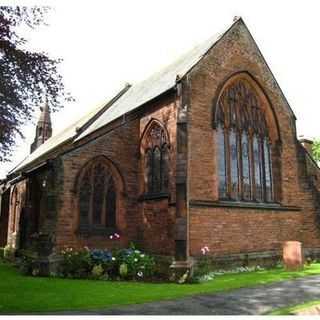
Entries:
{"x":127,"y":264}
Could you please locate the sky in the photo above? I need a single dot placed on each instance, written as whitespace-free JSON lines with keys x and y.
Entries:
{"x":105,"y":44}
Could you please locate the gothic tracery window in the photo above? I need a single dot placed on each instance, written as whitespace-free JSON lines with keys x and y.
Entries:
{"x":156,"y":160}
{"x":243,"y":145}
{"x":97,"y":197}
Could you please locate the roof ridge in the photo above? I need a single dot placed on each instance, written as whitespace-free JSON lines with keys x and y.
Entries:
{"x":103,"y":109}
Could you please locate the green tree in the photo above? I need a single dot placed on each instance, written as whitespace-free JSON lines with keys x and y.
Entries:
{"x":26,"y":76}
{"x":316,"y":149}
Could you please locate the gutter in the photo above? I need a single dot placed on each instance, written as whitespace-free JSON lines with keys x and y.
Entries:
{"x":24,"y":174}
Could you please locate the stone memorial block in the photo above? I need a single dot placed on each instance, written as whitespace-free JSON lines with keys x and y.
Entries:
{"x":292,"y":255}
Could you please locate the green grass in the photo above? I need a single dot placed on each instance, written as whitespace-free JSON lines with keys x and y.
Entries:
{"x":23,"y":294}
{"x":293,"y":309}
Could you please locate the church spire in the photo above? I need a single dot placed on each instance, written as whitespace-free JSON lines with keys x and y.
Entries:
{"x":44,"y":128}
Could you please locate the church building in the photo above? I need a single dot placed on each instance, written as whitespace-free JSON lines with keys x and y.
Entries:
{"x":203,"y":153}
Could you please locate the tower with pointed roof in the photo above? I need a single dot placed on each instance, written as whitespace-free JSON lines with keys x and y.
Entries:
{"x":44,"y":128}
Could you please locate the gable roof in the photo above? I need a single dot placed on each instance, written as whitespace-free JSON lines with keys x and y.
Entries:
{"x":128,"y":99}
{"x":132,"y":98}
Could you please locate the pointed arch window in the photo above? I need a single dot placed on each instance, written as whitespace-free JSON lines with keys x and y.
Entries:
{"x":243,"y":145}
{"x":97,"y":198}
{"x":156,"y":160}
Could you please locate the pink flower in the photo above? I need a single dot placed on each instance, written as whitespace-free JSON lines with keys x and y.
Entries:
{"x":204,"y":250}
{"x":117,"y":235}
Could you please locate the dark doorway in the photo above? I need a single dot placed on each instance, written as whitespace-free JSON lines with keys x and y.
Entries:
{"x":29,"y":218}
{"x":4,"y":217}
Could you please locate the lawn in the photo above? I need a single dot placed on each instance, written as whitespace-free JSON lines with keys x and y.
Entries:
{"x":23,"y":294}
{"x":292,"y":309}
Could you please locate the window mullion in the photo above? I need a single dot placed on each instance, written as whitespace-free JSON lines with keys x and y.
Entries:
{"x":240,"y":165}
{"x":263,"y":169}
{"x":252,"y":167}
{"x":227,"y":157}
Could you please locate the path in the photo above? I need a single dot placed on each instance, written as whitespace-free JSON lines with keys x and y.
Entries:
{"x":246,"y":301}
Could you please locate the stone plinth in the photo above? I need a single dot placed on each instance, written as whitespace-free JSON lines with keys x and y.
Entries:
{"x":292,"y":255}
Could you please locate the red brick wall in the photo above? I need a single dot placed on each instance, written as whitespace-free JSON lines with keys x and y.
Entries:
{"x":120,"y":149}
{"x":158,"y":217}
{"x":233,"y":230}
{"x":147,"y":223}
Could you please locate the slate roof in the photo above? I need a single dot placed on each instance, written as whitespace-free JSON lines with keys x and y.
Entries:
{"x":152,"y":87}
{"x":135,"y":96}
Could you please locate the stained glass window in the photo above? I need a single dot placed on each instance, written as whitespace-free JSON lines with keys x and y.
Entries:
{"x":156,"y":160}
{"x":243,"y":147}
{"x":97,"y":197}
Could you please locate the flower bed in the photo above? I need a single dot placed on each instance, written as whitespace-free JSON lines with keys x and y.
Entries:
{"x":126,"y":264}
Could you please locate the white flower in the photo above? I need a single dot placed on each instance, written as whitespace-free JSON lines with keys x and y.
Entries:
{"x":113,"y":259}
{"x":135,"y":260}
{"x":140,"y":274}
{"x":142,"y":255}
{"x":111,"y":237}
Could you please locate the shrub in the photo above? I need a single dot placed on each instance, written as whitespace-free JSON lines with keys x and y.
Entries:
{"x":105,"y":259}
{"x":8,"y":253}
{"x":76,"y":263}
{"x":97,"y":271}
{"x":1,"y":253}
{"x":26,"y":265}
{"x":129,"y":264}
{"x":123,"y":270}
{"x":138,"y":264}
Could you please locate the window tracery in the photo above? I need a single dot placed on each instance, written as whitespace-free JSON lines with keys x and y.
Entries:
{"x":243,"y":145}
{"x":97,"y":197}
{"x":156,"y":160}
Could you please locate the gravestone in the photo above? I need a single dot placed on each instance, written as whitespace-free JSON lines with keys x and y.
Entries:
{"x":292,"y":255}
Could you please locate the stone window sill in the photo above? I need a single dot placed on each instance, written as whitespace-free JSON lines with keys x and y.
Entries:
{"x":154,"y":196}
{"x":245,"y":205}
{"x":88,"y":231}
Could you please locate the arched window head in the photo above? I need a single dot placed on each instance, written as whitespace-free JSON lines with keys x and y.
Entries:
{"x":243,"y":141}
{"x":155,"y":147}
{"x":97,"y":197}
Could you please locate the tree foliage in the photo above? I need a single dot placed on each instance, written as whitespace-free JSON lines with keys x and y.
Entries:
{"x":27,"y":77}
{"x":316,"y":149}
